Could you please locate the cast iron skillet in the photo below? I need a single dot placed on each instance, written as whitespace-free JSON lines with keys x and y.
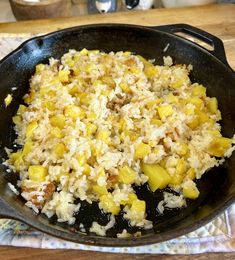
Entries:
{"x":217,"y":187}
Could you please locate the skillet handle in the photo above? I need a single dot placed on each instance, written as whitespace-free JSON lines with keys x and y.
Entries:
{"x":6,"y":211}
{"x":217,"y":44}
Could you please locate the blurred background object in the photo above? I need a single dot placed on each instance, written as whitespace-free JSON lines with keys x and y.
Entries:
{"x":101,"y":6}
{"x":79,"y":7}
{"x":40,"y":9}
{"x":181,"y":3}
{"x":138,"y":4}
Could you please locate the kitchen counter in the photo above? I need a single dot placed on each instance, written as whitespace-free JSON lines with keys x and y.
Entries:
{"x":217,"y":19}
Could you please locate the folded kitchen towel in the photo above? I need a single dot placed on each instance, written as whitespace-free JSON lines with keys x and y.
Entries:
{"x":217,"y":236}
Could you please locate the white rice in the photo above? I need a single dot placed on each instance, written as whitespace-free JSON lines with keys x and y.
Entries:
{"x":86,"y":116}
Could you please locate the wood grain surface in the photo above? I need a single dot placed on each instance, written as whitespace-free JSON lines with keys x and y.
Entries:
{"x":216,"y":19}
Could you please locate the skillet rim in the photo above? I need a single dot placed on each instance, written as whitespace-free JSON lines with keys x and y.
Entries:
{"x":109,"y":241}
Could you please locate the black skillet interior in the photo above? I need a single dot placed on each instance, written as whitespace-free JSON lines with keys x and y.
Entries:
{"x":217,"y":187}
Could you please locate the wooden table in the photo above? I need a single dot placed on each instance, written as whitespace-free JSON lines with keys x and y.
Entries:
{"x":216,"y":19}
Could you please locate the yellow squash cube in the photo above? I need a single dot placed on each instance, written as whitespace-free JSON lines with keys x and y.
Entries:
{"x":58,"y":120}
{"x":138,"y":206}
{"x":190,"y":190}
{"x":218,"y":146}
{"x":108,"y":205}
{"x":100,"y":190}
{"x":64,"y":76}
{"x":27,"y":148}
{"x":103,"y":135}
{"x":126,"y":175}
{"x":191,"y":174}
{"x":131,"y":198}
{"x":199,"y":90}
{"x":59,"y":150}
{"x":180,"y":172}
{"x":142,"y":150}
{"x":31,"y":127}
{"x":74,"y":112}
{"x":165,"y":111}
{"x":150,"y":71}
{"x":90,"y":129}
{"x":37,"y":173}
{"x":158,"y":177}
{"x":56,"y":132}
{"x":212,"y":105}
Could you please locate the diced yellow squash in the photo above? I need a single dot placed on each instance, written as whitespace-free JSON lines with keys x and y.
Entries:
{"x":27,"y":148}
{"x":189,"y":111}
{"x":150,"y":71}
{"x":154,"y":102}
{"x":100,"y":190}
{"x":125,"y":88}
{"x":81,"y":159}
{"x":126,"y":175}
{"x":70,"y":62}
{"x":31,"y":127}
{"x":89,"y":68}
{"x":126,"y":53}
{"x":21,"y":109}
{"x":131,"y":197}
{"x":215,"y":133}
{"x":8,"y":100}
{"x":14,"y":156}
{"x":109,"y":81}
{"x":93,"y":52}
{"x":74,"y":112}
{"x":138,"y":207}
{"x":196,"y":101}
{"x":103,"y":135}
{"x":145,"y":62}
{"x":84,"y":98}
{"x":165,"y":111}
{"x":199,"y":90}
{"x":49,"y":105}
{"x":59,"y":150}
{"x":202,"y":117}
{"x":135,"y":70}
{"x":156,"y":122}
{"x":218,"y":146}
{"x":158,"y":177}
{"x":58,"y":120}
{"x":64,"y":76}
{"x":182,"y":149}
{"x":19,"y":163}
{"x":191,"y":174}
{"x":37,"y":173}
{"x":108,"y":205}
{"x":122,"y":124}
{"x":172,"y":99}
{"x":194,"y":123}
{"x":16,"y":120}
{"x":74,"y":90}
{"x":190,"y":190}
{"x":90,"y":129}
{"x":91,"y":116}
{"x":40,"y":68}
{"x":56,"y":132}
{"x":84,"y":51}
{"x":212,"y":105}
{"x":177,"y":83}
{"x":180,"y":172}
{"x":86,"y":169}
{"x":141,"y":150}
{"x":29,"y":97}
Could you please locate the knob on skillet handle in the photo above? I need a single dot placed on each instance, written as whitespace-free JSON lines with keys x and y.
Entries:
{"x":217,"y":44}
